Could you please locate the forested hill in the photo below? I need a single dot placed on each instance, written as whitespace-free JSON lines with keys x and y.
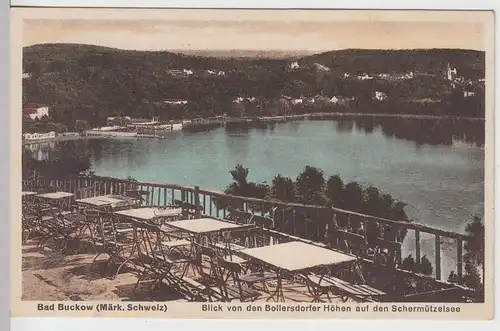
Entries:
{"x":469,"y":63}
{"x":91,"y":82}
{"x":47,"y":56}
{"x":56,"y":56}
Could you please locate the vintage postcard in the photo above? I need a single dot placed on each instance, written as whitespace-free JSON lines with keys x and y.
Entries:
{"x":252,"y":163}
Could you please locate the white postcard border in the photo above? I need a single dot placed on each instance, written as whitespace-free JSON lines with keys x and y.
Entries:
{"x":26,"y":323}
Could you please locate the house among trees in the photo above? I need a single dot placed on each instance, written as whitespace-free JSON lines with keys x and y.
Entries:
{"x":469,"y":94}
{"x":334,"y":100}
{"x":118,"y":120}
{"x":407,"y":76}
{"x":294,"y":65}
{"x":35,"y":111}
{"x":215,"y":72}
{"x":180,"y":73}
{"x":321,"y":67}
{"x":39,"y":136}
{"x":175,"y":102}
{"x":364,"y":77}
{"x":451,"y":73}
{"x":380,"y":96}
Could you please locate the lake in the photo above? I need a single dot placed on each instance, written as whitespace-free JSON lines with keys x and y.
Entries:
{"x":435,"y":166}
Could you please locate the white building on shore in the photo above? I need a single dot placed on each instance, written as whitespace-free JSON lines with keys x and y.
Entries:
{"x":35,"y":111}
{"x":176,"y":102}
{"x":39,"y":136}
{"x":380,"y":96}
{"x":451,"y":73}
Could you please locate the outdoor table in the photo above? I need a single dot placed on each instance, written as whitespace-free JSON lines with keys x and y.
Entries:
{"x":150,"y":213}
{"x":113,"y":201}
{"x":62,"y":199}
{"x":295,"y":257}
{"x":28,"y":195}
{"x":146,"y":214}
{"x":205,"y":227}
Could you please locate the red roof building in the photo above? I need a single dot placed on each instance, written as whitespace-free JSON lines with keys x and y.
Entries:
{"x":27,"y":111}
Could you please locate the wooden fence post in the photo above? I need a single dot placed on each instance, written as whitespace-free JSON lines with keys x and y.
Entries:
{"x":197,"y":201}
{"x":438,"y":256}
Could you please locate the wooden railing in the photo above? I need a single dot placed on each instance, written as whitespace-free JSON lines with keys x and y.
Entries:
{"x":289,"y":219}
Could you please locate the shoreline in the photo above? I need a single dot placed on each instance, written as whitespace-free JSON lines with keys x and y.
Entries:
{"x":410,"y":116}
{"x":250,"y":120}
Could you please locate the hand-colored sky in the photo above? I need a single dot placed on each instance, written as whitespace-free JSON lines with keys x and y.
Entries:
{"x":279,"y":35}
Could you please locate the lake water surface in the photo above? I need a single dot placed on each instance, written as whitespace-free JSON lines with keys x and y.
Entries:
{"x":436,"y":168}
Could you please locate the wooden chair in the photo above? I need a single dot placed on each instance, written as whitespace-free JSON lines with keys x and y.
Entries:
{"x":386,"y":257}
{"x":238,"y":216}
{"x":86,"y":192}
{"x":238,"y":290}
{"x":157,"y":258}
{"x":189,"y":210}
{"x":107,"y":241}
{"x":29,"y":221}
{"x":319,"y":285}
{"x":68,"y":228}
{"x":150,"y":257}
{"x":227,"y":249}
{"x":48,"y":225}
{"x":138,"y":195}
{"x":260,"y":235}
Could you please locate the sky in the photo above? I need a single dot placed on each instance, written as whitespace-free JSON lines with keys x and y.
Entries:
{"x":279,"y":35}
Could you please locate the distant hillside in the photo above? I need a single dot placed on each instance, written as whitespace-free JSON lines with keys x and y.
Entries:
{"x":84,"y":55}
{"x":469,"y":63}
{"x":270,"y":54}
{"x":92,"y":82}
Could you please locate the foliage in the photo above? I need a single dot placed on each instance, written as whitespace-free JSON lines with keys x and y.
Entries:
{"x":473,"y":257}
{"x":283,"y":189}
{"x":310,"y":188}
{"x":475,"y":246}
{"x":83,"y":82}
{"x":81,"y":126}
{"x":65,"y":160}
{"x":43,"y":125}
{"x":334,"y":190}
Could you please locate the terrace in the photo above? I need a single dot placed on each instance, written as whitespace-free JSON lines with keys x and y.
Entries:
{"x":109,"y":239}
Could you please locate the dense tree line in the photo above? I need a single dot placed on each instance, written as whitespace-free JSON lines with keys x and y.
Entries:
{"x":473,"y":258}
{"x":63,"y":161}
{"x":81,"y":82}
{"x":312,"y":188}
